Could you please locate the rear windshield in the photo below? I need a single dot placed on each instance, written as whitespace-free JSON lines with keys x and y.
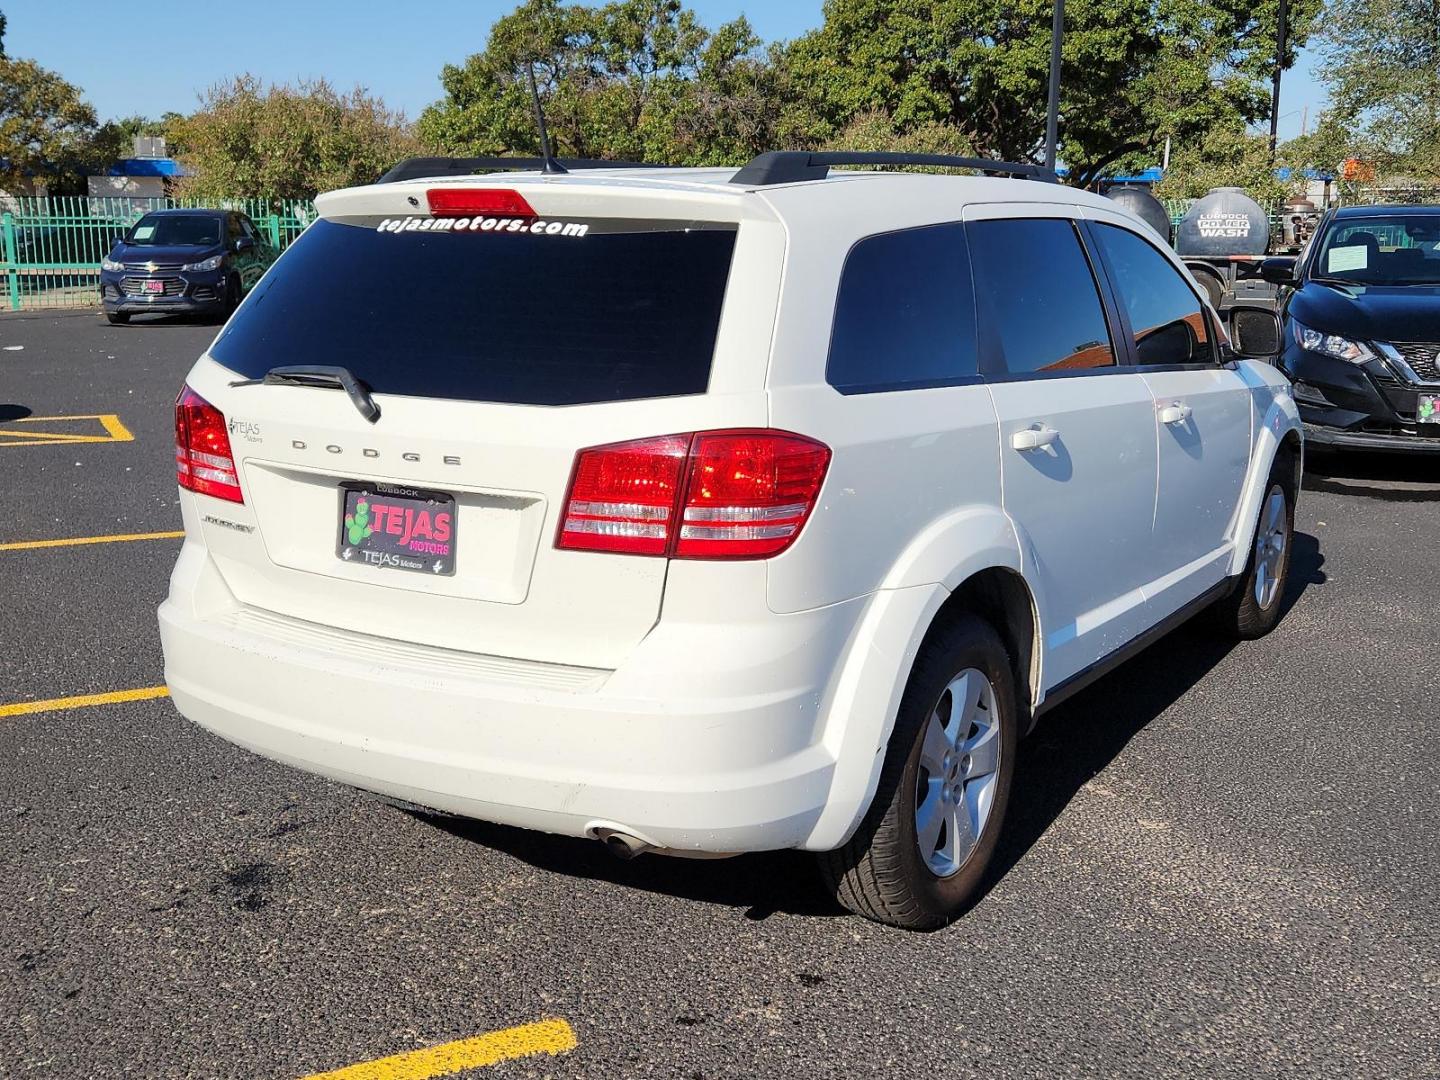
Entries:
{"x":606,"y":310}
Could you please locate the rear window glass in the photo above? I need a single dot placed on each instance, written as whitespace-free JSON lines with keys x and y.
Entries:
{"x":905,"y":313}
{"x":1035,"y":278}
{"x":625,"y":310}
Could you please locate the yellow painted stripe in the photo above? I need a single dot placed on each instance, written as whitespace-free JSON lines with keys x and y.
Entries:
{"x":144,"y":693}
{"x":68,"y":541}
{"x":118,"y":431}
{"x":544,"y":1037}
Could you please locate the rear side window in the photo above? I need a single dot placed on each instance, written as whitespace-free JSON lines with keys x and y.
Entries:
{"x":1165,"y":314}
{"x":610,"y":311}
{"x":1033,"y":276}
{"x":904,"y":314}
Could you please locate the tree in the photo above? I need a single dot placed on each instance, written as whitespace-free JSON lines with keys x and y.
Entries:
{"x":1133,"y":71}
{"x":1228,"y":157}
{"x":1381,"y":68}
{"x":635,"y":80}
{"x":287,"y":142}
{"x":47,"y":131}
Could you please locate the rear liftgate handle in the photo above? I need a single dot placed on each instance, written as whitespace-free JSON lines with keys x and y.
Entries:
{"x":1034,"y":438}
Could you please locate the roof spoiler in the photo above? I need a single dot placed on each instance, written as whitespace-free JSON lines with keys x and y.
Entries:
{"x":416,"y":168}
{"x":792,"y":166}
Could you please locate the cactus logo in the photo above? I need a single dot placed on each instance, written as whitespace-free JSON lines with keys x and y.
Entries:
{"x":357,"y":525}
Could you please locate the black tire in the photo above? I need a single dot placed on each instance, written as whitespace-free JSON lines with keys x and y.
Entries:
{"x":232,"y":297}
{"x":881,"y":873}
{"x":1213,"y":286}
{"x":116,"y":318}
{"x":1245,"y":613}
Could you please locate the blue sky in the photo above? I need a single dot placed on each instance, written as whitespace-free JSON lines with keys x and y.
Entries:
{"x":127,"y":62}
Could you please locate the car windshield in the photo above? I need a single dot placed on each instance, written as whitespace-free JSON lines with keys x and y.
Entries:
{"x":1399,"y":249}
{"x":175,"y":230}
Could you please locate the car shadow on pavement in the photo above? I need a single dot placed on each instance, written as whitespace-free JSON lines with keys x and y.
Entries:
{"x":762,"y":884}
{"x":1070,"y":746}
{"x":14,"y":412}
{"x":1387,"y":477}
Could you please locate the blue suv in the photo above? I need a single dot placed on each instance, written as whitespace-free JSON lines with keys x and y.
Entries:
{"x":199,"y":262}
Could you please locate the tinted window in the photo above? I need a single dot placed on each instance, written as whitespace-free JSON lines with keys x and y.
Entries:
{"x":1036,"y":281}
{"x":905,"y":313}
{"x":623,"y":311}
{"x":1165,"y":314}
{"x":164,"y":230}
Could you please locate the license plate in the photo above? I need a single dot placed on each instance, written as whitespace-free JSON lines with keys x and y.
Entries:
{"x":152,"y":286}
{"x":1428,"y":410}
{"x":397,"y":528}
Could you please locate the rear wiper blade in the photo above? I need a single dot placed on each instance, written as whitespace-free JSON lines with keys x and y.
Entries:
{"x":338,"y":378}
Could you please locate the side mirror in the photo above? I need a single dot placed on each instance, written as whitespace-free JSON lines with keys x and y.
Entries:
{"x":1278,"y":271}
{"x":1256,"y":332}
{"x":244,"y":243}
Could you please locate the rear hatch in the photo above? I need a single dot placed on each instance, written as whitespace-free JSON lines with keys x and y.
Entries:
{"x":526,"y":320}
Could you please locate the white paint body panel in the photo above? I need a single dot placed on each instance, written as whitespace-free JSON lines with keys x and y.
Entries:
{"x":700,"y":705}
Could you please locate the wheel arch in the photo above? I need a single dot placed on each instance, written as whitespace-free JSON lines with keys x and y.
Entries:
{"x":866,"y":696}
{"x":1002,"y":597}
{"x":1279,"y":441}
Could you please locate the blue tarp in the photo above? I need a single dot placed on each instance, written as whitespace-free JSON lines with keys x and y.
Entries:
{"x":147,"y":167}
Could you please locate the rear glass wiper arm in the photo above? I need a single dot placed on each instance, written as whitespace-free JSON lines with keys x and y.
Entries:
{"x":338,"y":378}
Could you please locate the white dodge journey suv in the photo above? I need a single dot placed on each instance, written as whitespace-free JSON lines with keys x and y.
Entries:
{"x":707,"y":512}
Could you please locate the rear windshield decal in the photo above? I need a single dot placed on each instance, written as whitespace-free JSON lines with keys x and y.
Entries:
{"x":533,"y":226}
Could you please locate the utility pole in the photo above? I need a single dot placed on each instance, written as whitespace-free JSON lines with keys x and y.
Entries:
{"x":1052,"y":112}
{"x":1279,"y":61}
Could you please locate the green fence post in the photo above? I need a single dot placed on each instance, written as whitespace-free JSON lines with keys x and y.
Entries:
{"x":7,"y":223}
{"x":272,"y":223}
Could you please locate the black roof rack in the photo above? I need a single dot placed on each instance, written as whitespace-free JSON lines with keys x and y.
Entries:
{"x":791,"y":166}
{"x":416,"y":167}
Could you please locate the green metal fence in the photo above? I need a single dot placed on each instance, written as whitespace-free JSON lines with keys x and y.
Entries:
{"x":50,"y":248}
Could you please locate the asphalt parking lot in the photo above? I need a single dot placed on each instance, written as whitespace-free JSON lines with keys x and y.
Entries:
{"x":1222,"y":862}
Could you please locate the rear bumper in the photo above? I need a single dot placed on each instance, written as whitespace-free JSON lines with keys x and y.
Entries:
{"x":536,"y":746}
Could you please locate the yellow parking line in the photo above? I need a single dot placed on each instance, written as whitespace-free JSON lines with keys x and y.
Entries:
{"x":144,"y":693}
{"x":115,"y":431}
{"x":68,"y":541}
{"x":544,"y":1037}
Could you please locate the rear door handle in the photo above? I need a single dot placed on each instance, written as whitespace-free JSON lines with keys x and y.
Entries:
{"x":1177,"y":412}
{"x":1033,"y":438}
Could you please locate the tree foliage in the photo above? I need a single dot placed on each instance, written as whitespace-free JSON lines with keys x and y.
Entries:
{"x":1380,"y":63}
{"x":631,"y":80}
{"x":287,"y":142}
{"x":1228,"y":157}
{"x":1133,"y":71}
{"x":47,"y":130}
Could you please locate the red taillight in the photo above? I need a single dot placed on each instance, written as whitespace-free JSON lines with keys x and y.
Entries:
{"x":710,"y":495}
{"x":622,"y":497}
{"x":467,"y":202}
{"x":203,"y":461}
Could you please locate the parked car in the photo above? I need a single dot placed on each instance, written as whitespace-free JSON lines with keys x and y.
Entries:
{"x":199,"y":262}
{"x":1361,"y":334}
{"x":707,"y":512}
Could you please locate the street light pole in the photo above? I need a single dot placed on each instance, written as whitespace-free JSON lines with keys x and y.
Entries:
{"x":1279,"y":62}
{"x":1052,"y":112}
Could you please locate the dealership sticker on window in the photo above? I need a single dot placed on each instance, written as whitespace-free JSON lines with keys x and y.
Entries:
{"x":533,"y":226}
{"x":144,"y":232}
{"x":1348,"y":258}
